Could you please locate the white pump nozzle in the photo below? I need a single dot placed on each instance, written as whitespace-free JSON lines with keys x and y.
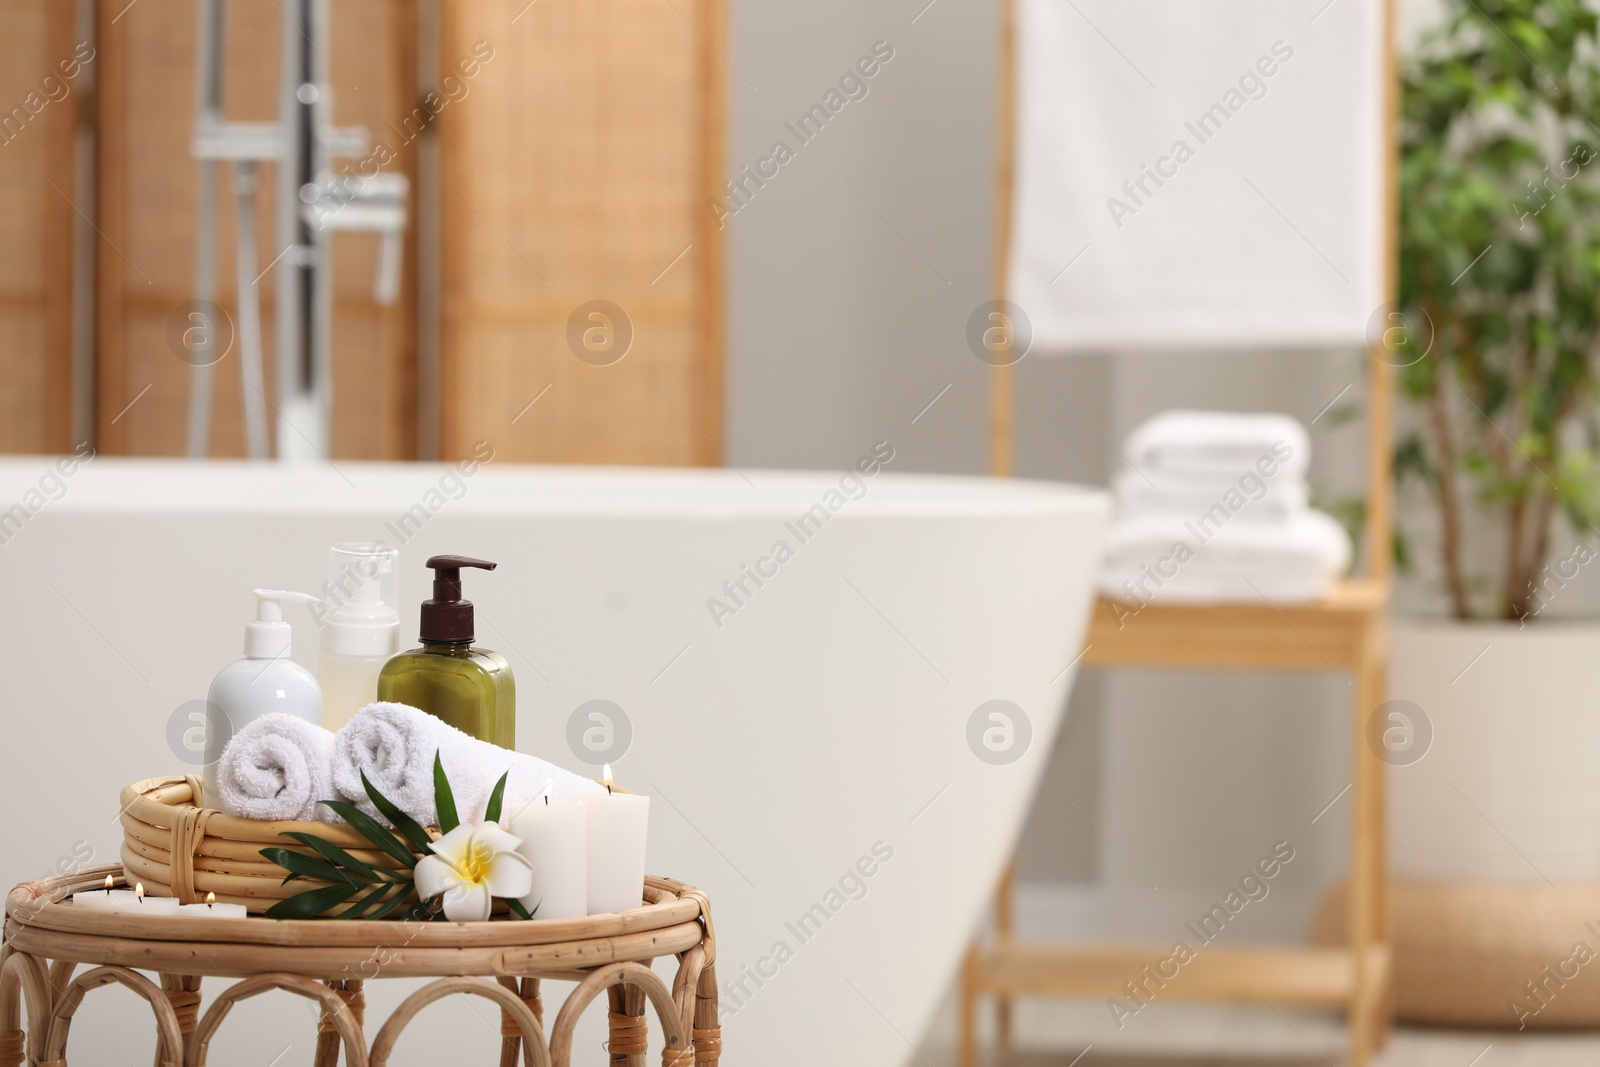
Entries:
{"x":268,"y":637}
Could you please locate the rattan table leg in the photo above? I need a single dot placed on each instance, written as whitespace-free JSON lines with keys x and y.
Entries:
{"x":630,"y":1027}
{"x":183,"y":993}
{"x":510,"y":1030}
{"x":707,"y":1031}
{"x":352,"y":993}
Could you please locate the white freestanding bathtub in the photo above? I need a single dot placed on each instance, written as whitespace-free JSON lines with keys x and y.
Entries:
{"x":797,"y":729}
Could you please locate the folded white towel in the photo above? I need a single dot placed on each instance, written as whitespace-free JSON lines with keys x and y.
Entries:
{"x":1173,"y":559}
{"x":394,"y":745}
{"x":1249,"y":497}
{"x":1220,"y":443}
{"x":278,"y":767}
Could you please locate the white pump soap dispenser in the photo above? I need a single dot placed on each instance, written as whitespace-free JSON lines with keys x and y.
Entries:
{"x":264,"y":681}
{"x":360,"y":619}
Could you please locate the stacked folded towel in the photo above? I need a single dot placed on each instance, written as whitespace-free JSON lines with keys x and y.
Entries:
{"x":1214,"y":506}
{"x":281,"y":767}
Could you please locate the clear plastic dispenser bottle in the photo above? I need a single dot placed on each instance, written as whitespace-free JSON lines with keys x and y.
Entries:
{"x":265,"y":681}
{"x":469,"y":688}
{"x":360,"y":628}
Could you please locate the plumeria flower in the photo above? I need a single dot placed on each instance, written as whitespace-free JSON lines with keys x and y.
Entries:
{"x":470,"y":866}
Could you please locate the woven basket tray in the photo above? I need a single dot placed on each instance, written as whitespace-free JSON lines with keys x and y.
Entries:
{"x":179,"y":850}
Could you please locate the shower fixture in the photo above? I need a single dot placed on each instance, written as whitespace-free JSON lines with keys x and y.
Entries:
{"x":312,"y":203}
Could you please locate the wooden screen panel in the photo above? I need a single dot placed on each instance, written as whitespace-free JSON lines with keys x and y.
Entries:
{"x":149,"y":205}
{"x":581,"y":167}
{"x":38,"y":109}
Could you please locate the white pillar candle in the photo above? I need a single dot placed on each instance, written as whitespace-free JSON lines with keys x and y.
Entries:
{"x":210,"y":909}
{"x":619,"y":825}
{"x":555,"y":842}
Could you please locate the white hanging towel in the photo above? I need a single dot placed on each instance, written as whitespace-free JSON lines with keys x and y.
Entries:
{"x":1198,"y":175}
{"x":1213,"y":557}
{"x":1219,"y":444}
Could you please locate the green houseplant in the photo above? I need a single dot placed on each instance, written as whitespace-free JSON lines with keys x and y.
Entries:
{"x":1499,"y":273}
{"x":1499,"y":284}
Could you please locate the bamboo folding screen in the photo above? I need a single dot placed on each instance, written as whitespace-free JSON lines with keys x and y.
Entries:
{"x":148,"y":210}
{"x":581,"y":169}
{"x":575,"y":163}
{"x":37,"y":109}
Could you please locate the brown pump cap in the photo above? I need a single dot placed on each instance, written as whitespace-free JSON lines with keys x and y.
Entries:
{"x":447,"y":617}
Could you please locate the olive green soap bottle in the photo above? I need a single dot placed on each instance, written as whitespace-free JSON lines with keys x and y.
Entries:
{"x":469,"y":688}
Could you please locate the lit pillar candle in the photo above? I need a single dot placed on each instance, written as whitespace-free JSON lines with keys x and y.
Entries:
{"x":618,"y":827}
{"x":212,"y":910}
{"x":555,"y":842}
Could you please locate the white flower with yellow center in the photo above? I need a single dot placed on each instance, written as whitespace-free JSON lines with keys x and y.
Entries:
{"x":470,"y":866}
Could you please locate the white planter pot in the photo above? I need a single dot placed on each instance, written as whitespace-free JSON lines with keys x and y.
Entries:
{"x":1509,"y":790}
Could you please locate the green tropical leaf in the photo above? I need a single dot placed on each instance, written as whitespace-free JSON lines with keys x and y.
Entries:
{"x":497,"y":799}
{"x":373,"y":831}
{"x":408,"y":827}
{"x":311,"y":904}
{"x":335,"y":855}
{"x":444,"y":797}
{"x":354,"y":911}
{"x":392,"y":905}
{"x":518,"y":910}
{"x":297,"y":863}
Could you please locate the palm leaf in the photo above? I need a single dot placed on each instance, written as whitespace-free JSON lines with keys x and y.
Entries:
{"x":373,"y":831}
{"x":335,"y":855}
{"x":518,"y":910}
{"x":444,"y":797}
{"x":311,"y":904}
{"x":297,"y":863}
{"x":497,"y":799}
{"x":354,"y":911}
{"x":408,"y":827}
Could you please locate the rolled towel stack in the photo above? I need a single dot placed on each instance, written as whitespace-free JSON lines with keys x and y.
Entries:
{"x":277,"y":767}
{"x":1214,"y":506}
{"x":394,"y":745}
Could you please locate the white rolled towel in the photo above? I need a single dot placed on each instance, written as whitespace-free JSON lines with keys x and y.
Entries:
{"x":278,"y":767}
{"x":395,"y":744}
{"x":1220,"y":443}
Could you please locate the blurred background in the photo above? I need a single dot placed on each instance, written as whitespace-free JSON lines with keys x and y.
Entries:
{"x":600,"y":181}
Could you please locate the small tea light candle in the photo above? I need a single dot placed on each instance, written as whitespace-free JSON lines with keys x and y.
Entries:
{"x":99,"y":899}
{"x":619,"y":824}
{"x":212,"y":910}
{"x":124,"y":901}
{"x":555,"y":842}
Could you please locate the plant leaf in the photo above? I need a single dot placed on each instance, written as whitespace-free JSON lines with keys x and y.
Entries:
{"x":335,"y":855}
{"x":308,"y":866}
{"x":444,"y":797}
{"x":354,"y":911}
{"x":518,"y":910}
{"x":393,"y":904}
{"x":497,"y":799}
{"x":408,"y":827}
{"x":312,"y":903}
{"x":373,"y":831}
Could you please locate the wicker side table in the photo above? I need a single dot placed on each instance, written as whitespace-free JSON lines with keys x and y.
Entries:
{"x":328,"y":961}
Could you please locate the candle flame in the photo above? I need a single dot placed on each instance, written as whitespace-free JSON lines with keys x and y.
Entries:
{"x":138,"y":889}
{"x":110,"y":881}
{"x":211,"y":898}
{"x":605,"y":777}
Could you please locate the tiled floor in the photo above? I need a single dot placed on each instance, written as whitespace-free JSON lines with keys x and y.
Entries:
{"x":1181,"y":1035}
